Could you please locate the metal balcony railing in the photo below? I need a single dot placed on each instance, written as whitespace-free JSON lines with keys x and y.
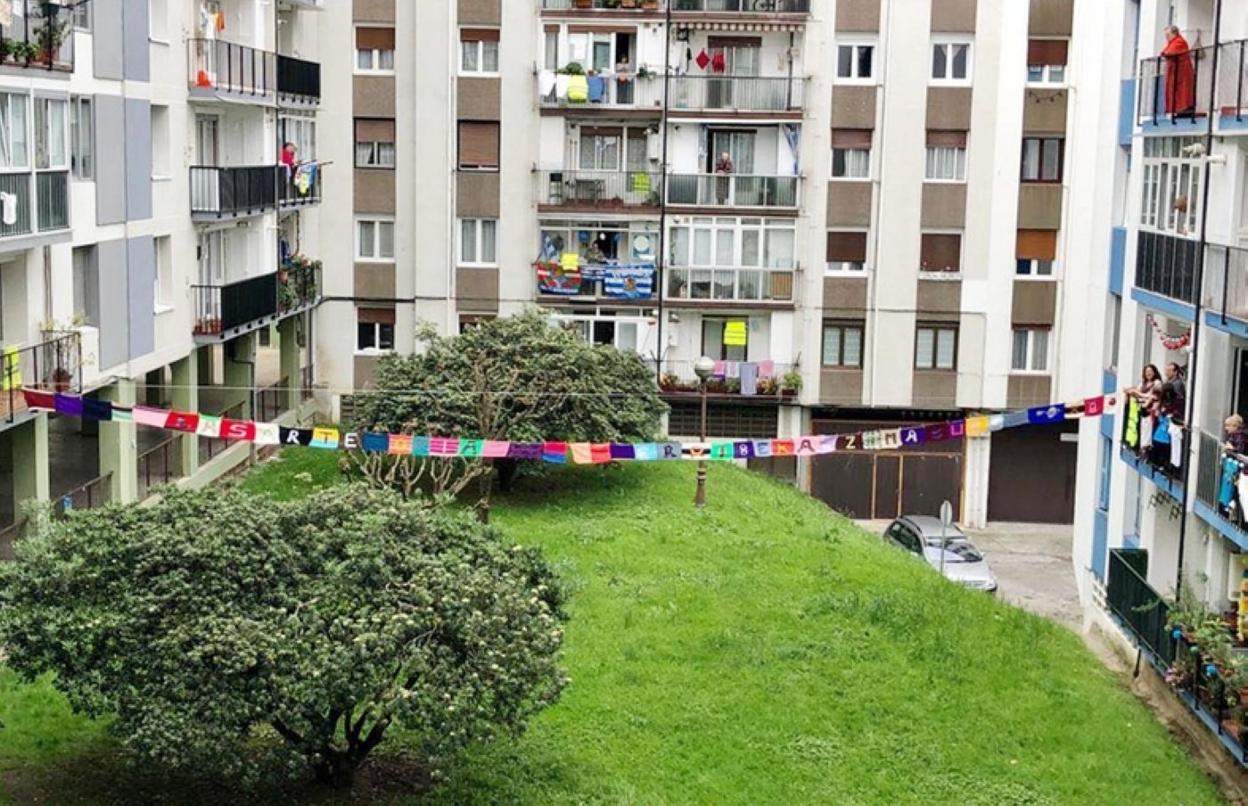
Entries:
{"x":564,"y":5}
{"x":300,"y":186}
{"x":298,"y":285}
{"x":599,"y":189}
{"x":598,"y":281}
{"x":298,"y":79}
{"x":733,"y":190}
{"x":1226,"y":281}
{"x":222,"y":308}
{"x":1166,"y":95}
{"x":35,"y":30}
{"x":736,"y":93}
{"x":729,"y":284}
{"x":1216,"y":473}
{"x":223,"y":192}
{"x":1139,"y":608}
{"x":52,"y":196}
{"x":1166,"y":265}
{"x":18,"y":187}
{"x":605,"y":91}
{"x":54,"y":364}
{"x":226,"y":67}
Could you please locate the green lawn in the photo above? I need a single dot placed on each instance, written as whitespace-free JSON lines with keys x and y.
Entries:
{"x":765,"y":651}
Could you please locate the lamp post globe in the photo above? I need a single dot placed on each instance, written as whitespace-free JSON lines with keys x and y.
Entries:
{"x":702,"y":367}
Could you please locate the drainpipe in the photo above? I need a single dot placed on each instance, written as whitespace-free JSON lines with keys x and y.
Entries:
{"x":1199,"y":300}
{"x":660,"y":257}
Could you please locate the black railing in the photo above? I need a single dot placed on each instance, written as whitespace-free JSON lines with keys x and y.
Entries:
{"x":306,"y":379}
{"x":220,"y":192}
{"x":1136,"y":605}
{"x":159,"y":465}
{"x":54,"y":365}
{"x":18,"y":186}
{"x":739,"y":93}
{"x":52,"y":196}
{"x":300,"y":185}
{"x":599,"y":189}
{"x":299,"y":285}
{"x":212,"y":447}
{"x":1166,"y":265}
{"x":221,"y":308}
{"x":271,"y":401}
{"x":1140,"y":439}
{"x":298,"y":78}
{"x":635,"y":91}
{"x":95,"y":493}
{"x":226,"y":67}
{"x":1226,"y":281}
{"x":1166,"y":92}
{"x":1217,"y":476}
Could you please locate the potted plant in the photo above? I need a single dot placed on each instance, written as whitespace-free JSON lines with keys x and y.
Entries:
{"x":645,"y":72}
{"x":573,"y":69}
{"x":791,"y":383}
{"x":629,"y":3}
{"x":649,"y":5}
{"x":53,"y":33}
{"x":22,"y":51}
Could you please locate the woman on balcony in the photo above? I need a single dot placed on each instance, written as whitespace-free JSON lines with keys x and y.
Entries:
{"x":1180,"y":74}
{"x":723,"y":185}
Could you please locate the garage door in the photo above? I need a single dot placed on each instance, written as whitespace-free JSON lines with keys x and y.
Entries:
{"x":1032,"y":476}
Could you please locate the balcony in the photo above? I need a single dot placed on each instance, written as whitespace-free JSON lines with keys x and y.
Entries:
{"x":301,"y":187}
{"x":225,"y":71}
{"x":38,"y":42}
{"x":40,"y":202}
{"x":598,"y":190}
{"x":602,"y":93}
{"x":608,"y":280}
{"x":609,"y":6}
{"x":225,"y":193}
{"x":738,"y":94}
{"x":728,"y":191}
{"x":1164,"y":107}
{"x":54,"y":364}
{"x":751,"y":7}
{"x":726,"y":286}
{"x":1217,"y":494}
{"x":1152,"y":461}
{"x":223,"y":312}
{"x":298,"y":81}
{"x":1165,"y":270}
{"x":1226,"y":289}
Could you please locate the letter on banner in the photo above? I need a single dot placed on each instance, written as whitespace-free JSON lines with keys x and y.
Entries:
{"x":912,"y":436}
{"x":238,"y":430}
{"x":890,"y":440}
{"x":976,"y":426}
{"x":762,"y":448}
{"x":782,"y":447}
{"x":957,"y":429}
{"x":350,"y":441}
{"x":672,"y":450}
{"x":743,"y":449}
{"x":806,"y":447}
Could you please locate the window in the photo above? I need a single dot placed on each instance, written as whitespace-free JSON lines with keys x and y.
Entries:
{"x":951,"y":62}
{"x":160,"y":141}
{"x":478,"y":241}
{"x":163,"y":248}
{"x":1033,"y":267}
{"x":1036,"y":253}
{"x":946,"y":156}
{"x":157,"y":19}
{"x":726,"y":258}
{"x":550,"y":48}
{"x":1046,"y":61}
{"x":941,"y":253}
{"x":1031,"y":350}
{"x":374,"y":50}
{"x":51,"y":134}
{"x":374,"y":330}
{"x":851,"y":153}
{"x":86,"y":285}
{"x":935,"y":347}
{"x":847,"y":251}
{"x":299,"y":131}
{"x":14,"y":137}
{"x":81,"y":138}
{"x":600,"y":148}
{"x":478,"y":51}
{"x":1171,"y":176}
{"x":374,"y":239}
{"x":842,"y":345}
{"x":854,"y":61}
{"x":82,"y":16}
{"x":478,"y":145}
{"x":1042,"y":159}
{"x":726,"y":339}
{"x":374,"y":143}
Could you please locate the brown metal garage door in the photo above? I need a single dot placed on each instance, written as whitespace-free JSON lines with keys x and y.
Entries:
{"x":1032,"y":476}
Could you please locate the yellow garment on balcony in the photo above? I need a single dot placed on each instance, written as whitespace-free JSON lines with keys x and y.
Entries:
{"x":641,"y":182}
{"x":570,"y":261}
{"x":736,"y":333}
{"x":578,"y":89}
{"x":12,"y":370}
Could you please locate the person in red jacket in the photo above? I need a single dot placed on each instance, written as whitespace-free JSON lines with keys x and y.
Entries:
{"x":1180,"y":74}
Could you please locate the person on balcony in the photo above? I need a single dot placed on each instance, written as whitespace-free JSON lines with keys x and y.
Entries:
{"x":723,"y":185}
{"x":623,"y":81}
{"x":1180,"y":74}
{"x":1148,"y":393}
{"x":1175,"y":381}
{"x":1236,"y":438}
{"x":290,"y":161}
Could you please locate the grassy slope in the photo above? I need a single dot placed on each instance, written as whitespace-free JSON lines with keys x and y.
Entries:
{"x":764,"y":650}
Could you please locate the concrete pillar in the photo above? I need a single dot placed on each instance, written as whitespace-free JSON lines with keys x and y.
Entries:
{"x":240,"y":371}
{"x":289,"y":362}
{"x":29,"y":443}
{"x":185,"y":375}
{"x":119,"y":446}
{"x":204,"y":358}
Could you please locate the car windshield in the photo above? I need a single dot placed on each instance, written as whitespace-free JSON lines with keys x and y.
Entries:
{"x":960,"y":551}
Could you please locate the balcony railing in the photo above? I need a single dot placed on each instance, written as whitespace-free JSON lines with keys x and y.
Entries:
{"x":307,"y":377}
{"x":52,"y":196}
{"x":733,"y":190}
{"x":298,"y":285}
{"x":736,"y":93}
{"x":1152,"y":457}
{"x":300,"y":186}
{"x":95,"y":493}
{"x":634,"y":5}
{"x":32,"y":29}
{"x":220,"y":309}
{"x":52,"y":365}
{"x":601,"y":92}
{"x":271,"y":401}
{"x":610,"y":279}
{"x":1217,"y":473}
{"x":729,"y":284}
{"x":598,"y":189}
{"x":744,"y":6}
{"x":161,"y":464}
{"x":228,"y":192}
{"x":1140,"y":609}
{"x":1166,"y":265}
{"x":298,"y":79}
{"x":47,"y":210}
{"x":212,"y":447}
{"x":1226,"y":281}
{"x":17,"y":186}
{"x":1174,"y":88}
{"x":237,"y":69}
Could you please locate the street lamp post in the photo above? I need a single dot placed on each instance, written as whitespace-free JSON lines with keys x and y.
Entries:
{"x":703,"y":368}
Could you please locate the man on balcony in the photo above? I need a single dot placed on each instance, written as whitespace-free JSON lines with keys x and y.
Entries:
{"x":1180,"y":74}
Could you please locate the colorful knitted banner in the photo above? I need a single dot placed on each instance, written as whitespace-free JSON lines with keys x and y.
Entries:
{"x":581,"y":453}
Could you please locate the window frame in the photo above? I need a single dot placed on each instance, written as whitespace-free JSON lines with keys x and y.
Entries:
{"x":1046,"y":78}
{"x":478,"y":225}
{"x":947,"y":43}
{"x":45,"y":102}
{"x":960,"y":160}
{"x":77,"y":142}
{"x":162,"y":249}
{"x":374,"y":59}
{"x":376,"y":348}
{"x":841,"y":271}
{"x":850,"y":177}
{"x":929,"y":274}
{"x":936,"y":329}
{"x":843,"y":327}
{"x":1033,"y":274}
{"x":376,"y":222}
{"x":1044,"y":143}
{"x":1030,"y":360}
{"x":374,"y":147}
{"x":6,"y":130}
{"x":480,"y":44}
{"x":459,"y":141}
{"x":856,"y":44}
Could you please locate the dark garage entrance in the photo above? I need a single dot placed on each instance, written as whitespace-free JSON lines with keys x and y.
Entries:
{"x":1032,"y":476}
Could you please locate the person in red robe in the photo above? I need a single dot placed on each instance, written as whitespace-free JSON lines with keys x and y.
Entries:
{"x":1180,"y":74}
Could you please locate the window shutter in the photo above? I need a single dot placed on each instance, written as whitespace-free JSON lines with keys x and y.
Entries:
{"x":478,"y":144}
{"x":478,"y":34}
{"x":1046,"y":51}
{"x":1036,"y":244}
{"x":847,"y":246}
{"x":374,"y":38}
{"x":374,"y":130}
{"x":941,"y":253}
{"x":946,"y":139}
{"x":851,"y":138}
{"x":375,"y":316}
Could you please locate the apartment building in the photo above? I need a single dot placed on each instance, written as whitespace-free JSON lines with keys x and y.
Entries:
{"x":155,"y":248}
{"x":862,"y":210}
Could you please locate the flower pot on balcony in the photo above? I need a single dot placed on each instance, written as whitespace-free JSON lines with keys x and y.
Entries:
{"x":628,"y":4}
{"x":62,"y":380}
{"x":584,"y":4}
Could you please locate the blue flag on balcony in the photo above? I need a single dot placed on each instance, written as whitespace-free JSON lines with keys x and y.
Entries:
{"x":1045,"y":415}
{"x":629,"y":281}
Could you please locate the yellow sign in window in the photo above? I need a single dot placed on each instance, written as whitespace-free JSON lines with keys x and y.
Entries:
{"x":736,"y":333}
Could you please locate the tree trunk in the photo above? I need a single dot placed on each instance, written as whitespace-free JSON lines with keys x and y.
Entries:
{"x":337,"y":768}
{"x":507,"y":470}
{"x":485,"y":487}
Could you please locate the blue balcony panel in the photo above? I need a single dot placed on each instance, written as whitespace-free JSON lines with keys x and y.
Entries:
{"x":1171,"y":487}
{"x":1225,"y":528}
{"x":1230,"y":324}
{"x":1117,"y":259}
{"x":1100,"y":542}
{"x":1126,"y":112}
{"x":1169,"y":307}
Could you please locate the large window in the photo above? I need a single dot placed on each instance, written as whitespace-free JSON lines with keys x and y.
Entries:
{"x":1171,"y":174}
{"x":478,"y":145}
{"x":851,"y":153}
{"x":731,"y":258}
{"x":82,"y":138}
{"x":842,"y":345}
{"x":478,"y":241}
{"x":847,"y":252}
{"x":935,"y":347}
{"x":951,"y":62}
{"x":1042,"y":159}
{"x":941,"y":252}
{"x":478,"y":51}
{"x":374,"y":50}
{"x":1031,"y":350}
{"x":374,"y":239}
{"x":374,"y":143}
{"x":1046,"y":61}
{"x":51,"y":134}
{"x":946,"y":156}
{"x":374,"y":330}
{"x":14,"y":135}
{"x":855,"y":61}
{"x":299,"y":131}
{"x":726,"y":339}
